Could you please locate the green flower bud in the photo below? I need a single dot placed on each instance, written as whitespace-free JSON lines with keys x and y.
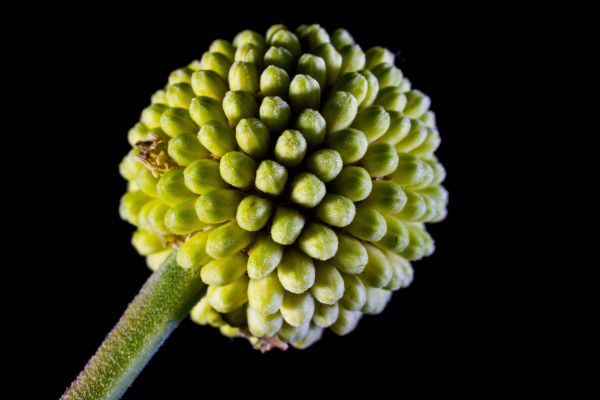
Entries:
{"x":129,"y":168}
{"x":238,"y":169}
{"x":147,"y":182}
{"x":314,"y":36}
{"x":273,"y":29}
{"x":208,"y":83}
{"x":325,"y":314}
{"x":203,"y":314}
{"x":286,"y":39}
{"x":381,"y":159}
{"x":217,"y":137}
{"x":223,"y":47}
{"x":304,"y":93}
{"x":417,"y":104}
{"x":145,"y":214}
{"x":290,"y":148}
{"x":239,"y":105}
{"x":202,"y":176}
{"x":396,"y":236}
{"x":230,"y":331}
{"x":336,"y":210}
{"x":155,"y":218}
{"x":391,"y":98}
{"x":333,"y":61}
{"x":151,"y":115}
{"x":138,"y":133}
{"x":428,"y":119}
{"x":329,"y":284}
{"x":265,"y":295}
{"x":253,"y":213}
{"x":185,"y":148}
{"x":439,"y":172}
{"x":216,"y":62}
{"x":411,"y":171}
{"x":131,"y":204}
{"x":180,"y":95}
{"x":378,"y":55}
{"x":346,"y":322}
{"x":431,"y":209}
{"x":377,"y":299}
{"x":192,"y":253}
{"x":386,"y":197}
{"x":249,"y":37}
{"x":307,"y":190}
{"x":387,"y":75}
{"x":414,"y":138}
{"x":171,"y":188}
{"x":263,"y":325}
{"x":415,"y":207}
{"x":271,"y":177}
{"x":252,"y":54}
{"x":326,"y":164}
{"x":353,"y":182}
{"x":227,"y":239}
{"x":340,"y":38}
{"x":339,"y":111}
{"x":264,"y":257}
{"x":399,"y":266}
{"x":351,"y":256}
{"x":274,"y":81}
{"x":373,"y":121}
{"x":314,"y":335}
{"x":275,"y":113}
{"x":368,"y":224}
{"x":297,"y":309}
{"x":224,"y":271}
{"x":405,"y":85}
{"x":318,"y":241}
{"x":287,"y":225}
{"x":159,"y":97}
{"x":355,"y":293}
{"x":350,"y":143}
{"x":427,"y":178}
{"x":292,"y":334}
{"x":437,"y":194}
{"x":243,"y":77}
{"x":353,"y":58}
{"x":372,"y":88}
{"x":228,"y":298}
{"x":398,"y":129}
{"x":353,"y":83}
{"x":378,"y":271}
{"x":175,"y":121}
{"x":205,"y":109}
{"x":279,"y":57}
{"x":312,"y":126}
{"x":146,"y":243}
{"x":182,"y":218}
{"x":309,"y":64}
{"x":430,"y":145}
{"x":218,"y":205}
{"x":296,"y":271}
{"x":253,"y":137}
{"x":416,"y":244}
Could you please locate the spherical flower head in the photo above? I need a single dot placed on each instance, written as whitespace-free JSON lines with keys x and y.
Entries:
{"x":297,"y":172}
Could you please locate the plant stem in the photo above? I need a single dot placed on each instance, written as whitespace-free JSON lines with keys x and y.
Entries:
{"x":164,"y":300}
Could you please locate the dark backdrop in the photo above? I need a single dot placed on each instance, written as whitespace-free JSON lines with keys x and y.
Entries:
{"x":99,"y":72}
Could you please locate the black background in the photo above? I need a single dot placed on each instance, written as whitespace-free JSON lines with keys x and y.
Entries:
{"x":100,"y":70}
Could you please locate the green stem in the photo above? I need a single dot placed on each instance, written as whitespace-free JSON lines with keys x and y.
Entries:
{"x":164,"y":300}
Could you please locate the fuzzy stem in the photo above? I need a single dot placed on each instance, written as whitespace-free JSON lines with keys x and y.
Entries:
{"x":164,"y":300}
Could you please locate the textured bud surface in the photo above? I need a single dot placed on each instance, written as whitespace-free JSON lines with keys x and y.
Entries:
{"x":298,"y":171}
